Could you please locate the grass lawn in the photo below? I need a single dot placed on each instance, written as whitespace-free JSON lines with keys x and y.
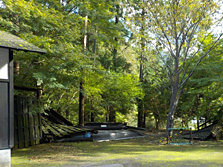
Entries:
{"x":141,"y":152}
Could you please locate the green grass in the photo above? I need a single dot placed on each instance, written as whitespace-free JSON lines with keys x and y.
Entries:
{"x":137,"y":152}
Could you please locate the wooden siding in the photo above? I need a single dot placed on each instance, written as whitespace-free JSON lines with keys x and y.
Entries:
{"x":27,"y":123}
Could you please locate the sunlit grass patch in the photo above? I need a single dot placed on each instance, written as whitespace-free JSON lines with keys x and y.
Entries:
{"x":137,"y":152}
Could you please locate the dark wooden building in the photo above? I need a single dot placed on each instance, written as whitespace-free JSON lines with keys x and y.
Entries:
{"x":9,"y":43}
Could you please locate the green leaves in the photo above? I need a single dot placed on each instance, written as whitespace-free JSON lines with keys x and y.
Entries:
{"x":168,"y":34}
{"x":205,"y":88}
{"x":121,"y":91}
{"x":58,"y":27}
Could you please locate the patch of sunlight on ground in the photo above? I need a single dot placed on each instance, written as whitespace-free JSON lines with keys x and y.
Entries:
{"x":136,"y":152}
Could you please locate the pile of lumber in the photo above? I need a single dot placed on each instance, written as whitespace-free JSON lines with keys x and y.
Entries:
{"x":57,"y":128}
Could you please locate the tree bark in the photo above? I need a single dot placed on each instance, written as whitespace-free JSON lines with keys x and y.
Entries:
{"x":81,"y":93}
{"x":172,"y":110}
{"x":140,"y":113}
{"x":144,"y":120}
{"x":140,"y":101}
{"x":115,"y":51}
{"x":198,"y":123}
{"x":92,"y":112}
{"x":81,"y":105}
{"x":175,"y":95}
{"x":92,"y":116}
{"x":112,"y":117}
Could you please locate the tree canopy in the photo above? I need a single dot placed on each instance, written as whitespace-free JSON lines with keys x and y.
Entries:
{"x":162,"y":59}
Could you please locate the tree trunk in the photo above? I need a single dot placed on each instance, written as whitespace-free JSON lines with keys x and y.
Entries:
{"x":172,"y":109}
{"x":115,"y":51}
{"x":140,"y":113}
{"x":156,"y":123}
{"x":175,"y":95}
{"x":107,"y":115}
{"x":198,"y":123}
{"x":112,"y":117}
{"x":140,"y":101}
{"x":81,"y":93}
{"x":81,"y":105}
{"x":92,"y":116}
{"x":92,"y":112}
{"x":144,"y":120}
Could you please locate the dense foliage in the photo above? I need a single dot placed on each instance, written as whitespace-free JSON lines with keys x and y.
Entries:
{"x":126,"y":54}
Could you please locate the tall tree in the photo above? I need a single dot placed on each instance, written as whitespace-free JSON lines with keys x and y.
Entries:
{"x":180,"y":28}
{"x":136,"y":20}
{"x":81,"y":91}
{"x":141,"y":115}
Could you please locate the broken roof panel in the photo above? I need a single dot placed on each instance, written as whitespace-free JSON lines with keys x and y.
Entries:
{"x":13,"y":42}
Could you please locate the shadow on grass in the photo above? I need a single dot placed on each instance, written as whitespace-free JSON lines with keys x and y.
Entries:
{"x":137,"y":151}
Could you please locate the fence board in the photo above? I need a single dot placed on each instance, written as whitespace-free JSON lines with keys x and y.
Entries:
{"x":26,"y":124}
{"x":28,"y":130}
{"x":16,"y":140}
{"x":20,"y":123}
{"x":31,"y":131}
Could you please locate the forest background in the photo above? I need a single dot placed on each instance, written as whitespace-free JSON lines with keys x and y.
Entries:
{"x":146,"y":63}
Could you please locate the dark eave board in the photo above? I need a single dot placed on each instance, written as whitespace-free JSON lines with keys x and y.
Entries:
{"x":13,"y":42}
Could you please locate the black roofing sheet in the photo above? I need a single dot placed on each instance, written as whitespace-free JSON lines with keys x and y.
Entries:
{"x":13,"y":42}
